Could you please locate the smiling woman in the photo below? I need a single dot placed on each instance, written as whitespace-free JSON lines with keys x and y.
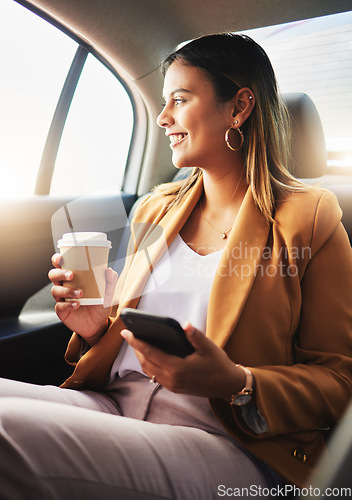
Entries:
{"x":259,"y":328}
{"x":255,"y":266}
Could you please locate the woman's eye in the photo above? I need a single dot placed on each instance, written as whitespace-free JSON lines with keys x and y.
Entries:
{"x":178,"y":101}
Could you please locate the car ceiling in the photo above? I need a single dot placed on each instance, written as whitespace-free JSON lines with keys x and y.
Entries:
{"x":136,"y":35}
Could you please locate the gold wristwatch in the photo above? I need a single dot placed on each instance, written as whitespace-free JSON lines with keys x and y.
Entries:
{"x":244,"y":396}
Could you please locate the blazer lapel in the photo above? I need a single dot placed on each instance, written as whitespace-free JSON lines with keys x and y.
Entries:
{"x":236,"y":272}
{"x":154,"y":244}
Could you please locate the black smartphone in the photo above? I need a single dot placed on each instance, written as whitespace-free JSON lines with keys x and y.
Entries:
{"x":160,"y":331}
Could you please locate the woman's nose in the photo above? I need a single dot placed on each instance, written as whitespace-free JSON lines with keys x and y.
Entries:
{"x":164,"y":119}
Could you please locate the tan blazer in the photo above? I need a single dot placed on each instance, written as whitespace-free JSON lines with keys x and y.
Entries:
{"x":280,"y":304}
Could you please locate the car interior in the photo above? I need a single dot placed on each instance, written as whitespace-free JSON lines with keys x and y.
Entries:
{"x":96,"y":186}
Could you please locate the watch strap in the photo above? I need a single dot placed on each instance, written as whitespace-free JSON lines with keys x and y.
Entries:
{"x":243,"y":396}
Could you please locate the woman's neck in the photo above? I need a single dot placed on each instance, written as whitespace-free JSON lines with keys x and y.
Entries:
{"x":223,"y":192}
{"x":212,"y":220}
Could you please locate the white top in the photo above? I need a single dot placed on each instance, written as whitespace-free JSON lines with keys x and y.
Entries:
{"x":185,"y":279}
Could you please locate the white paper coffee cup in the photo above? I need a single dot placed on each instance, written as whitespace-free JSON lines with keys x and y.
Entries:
{"x":86,"y":254}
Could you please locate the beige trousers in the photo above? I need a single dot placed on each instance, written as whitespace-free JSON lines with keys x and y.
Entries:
{"x":132,"y":441}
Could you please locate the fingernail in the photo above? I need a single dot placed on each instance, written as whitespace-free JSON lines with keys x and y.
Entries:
{"x":75,"y":305}
{"x":68,"y":275}
{"x":190,"y":327}
{"x":78,"y":293}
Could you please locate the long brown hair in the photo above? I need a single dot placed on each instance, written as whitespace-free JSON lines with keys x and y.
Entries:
{"x":233,"y":61}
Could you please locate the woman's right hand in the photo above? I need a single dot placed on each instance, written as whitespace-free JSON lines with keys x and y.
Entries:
{"x":90,"y":322}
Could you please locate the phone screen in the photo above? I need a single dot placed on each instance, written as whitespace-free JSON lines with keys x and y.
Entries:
{"x":160,"y":331}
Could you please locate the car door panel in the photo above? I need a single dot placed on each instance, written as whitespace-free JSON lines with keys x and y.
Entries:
{"x":29,"y":230}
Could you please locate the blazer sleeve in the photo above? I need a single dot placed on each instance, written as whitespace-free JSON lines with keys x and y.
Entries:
{"x":314,"y":391}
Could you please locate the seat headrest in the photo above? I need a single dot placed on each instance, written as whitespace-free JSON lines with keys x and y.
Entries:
{"x":307,"y":136}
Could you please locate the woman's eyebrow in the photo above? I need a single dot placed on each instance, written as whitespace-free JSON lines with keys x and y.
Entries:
{"x":176,"y":91}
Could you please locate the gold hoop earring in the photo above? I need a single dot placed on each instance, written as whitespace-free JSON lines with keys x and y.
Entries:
{"x":227,"y":138}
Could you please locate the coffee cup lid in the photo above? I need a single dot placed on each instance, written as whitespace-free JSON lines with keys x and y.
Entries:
{"x":82,"y":239}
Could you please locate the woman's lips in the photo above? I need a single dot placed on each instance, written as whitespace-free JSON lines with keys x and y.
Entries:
{"x":176,"y":139}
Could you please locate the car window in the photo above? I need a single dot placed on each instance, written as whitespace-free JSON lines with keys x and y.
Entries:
{"x":30,"y":84}
{"x":97,"y":134}
{"x":35,"y":60}
{"x":315,"y":56}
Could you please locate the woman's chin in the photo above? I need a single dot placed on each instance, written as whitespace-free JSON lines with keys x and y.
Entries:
{"x":181,"y":164}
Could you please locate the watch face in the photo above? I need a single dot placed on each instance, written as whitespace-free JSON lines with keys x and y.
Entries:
{"x":242,"y":399}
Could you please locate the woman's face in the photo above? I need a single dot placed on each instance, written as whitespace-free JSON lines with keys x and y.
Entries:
{"x":193,"y":117}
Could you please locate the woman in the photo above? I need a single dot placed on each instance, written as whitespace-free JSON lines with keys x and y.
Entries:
{"x":243,"y":253}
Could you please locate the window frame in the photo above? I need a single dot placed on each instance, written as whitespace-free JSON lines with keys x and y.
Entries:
{"x":52,"y":144}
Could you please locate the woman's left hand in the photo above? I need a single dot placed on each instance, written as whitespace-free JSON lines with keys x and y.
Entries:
{"x":207,"y":372}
